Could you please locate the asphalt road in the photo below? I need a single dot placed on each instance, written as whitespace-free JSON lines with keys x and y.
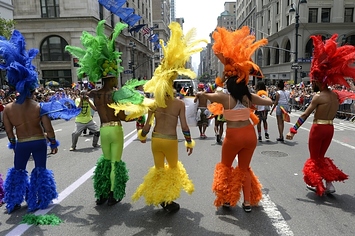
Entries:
{"x":287,"y":207}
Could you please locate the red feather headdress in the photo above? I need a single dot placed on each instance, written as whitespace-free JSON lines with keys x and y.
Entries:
{"x":331,"y":64}
{"x":234,"y":49}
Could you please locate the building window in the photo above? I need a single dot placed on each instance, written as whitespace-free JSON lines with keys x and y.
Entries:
{"x":277,"y":8}
{"x":268,"y":15}
{"x":349,"y":15}
{"x":53,"y":49}
{"x":277,"y":27}
{"x":313,"y":15}
{"x":63,"y":77}
{"x":262,"y":21}
{"x":287,"y":20}
{"x":325,"y":15}
{"x":287,"y":57}
{"x":277,"y":55}
{"x":50,"y":8}
{"x":268,"y":57}
{"x":101,"y":12}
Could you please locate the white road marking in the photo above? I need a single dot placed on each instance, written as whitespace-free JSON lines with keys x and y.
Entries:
{"x":20,"y":229}
{"x":276,"y":217}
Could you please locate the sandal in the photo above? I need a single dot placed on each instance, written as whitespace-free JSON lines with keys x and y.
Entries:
{"x":246,"y":208}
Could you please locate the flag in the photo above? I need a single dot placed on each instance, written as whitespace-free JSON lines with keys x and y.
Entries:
{"x":252,"y":32}
{"x":112,"y":5}
{"x":157,"y":46}
{"x":136,"y":28}
{"x":153,"y":38}
{"x":132,"y":19}
{"x":146,"y":30}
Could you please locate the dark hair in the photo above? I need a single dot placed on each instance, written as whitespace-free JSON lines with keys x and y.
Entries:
{"x":260,"y":86}
{"x":281,"y":85}
{"x":238,"y":90}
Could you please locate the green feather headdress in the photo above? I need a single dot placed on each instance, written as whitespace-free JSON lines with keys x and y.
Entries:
{"x":99,"y":58}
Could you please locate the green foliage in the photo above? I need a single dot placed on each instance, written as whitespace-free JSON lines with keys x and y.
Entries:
{"x":6,"y":26}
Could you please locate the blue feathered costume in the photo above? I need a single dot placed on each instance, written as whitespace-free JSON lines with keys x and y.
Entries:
{"x":40,"y":189}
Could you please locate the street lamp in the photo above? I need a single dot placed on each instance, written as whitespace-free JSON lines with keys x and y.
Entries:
{"x":133,"y":47}
{"x":297,"y":17}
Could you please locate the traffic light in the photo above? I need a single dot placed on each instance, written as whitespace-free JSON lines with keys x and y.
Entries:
{"x":130,"y":65}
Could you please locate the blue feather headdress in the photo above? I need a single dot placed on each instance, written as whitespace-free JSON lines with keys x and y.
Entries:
{"x":20,"y":73}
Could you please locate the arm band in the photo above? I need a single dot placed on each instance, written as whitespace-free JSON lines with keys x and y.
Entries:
{"x":53,"y":143}
{"x":12,"y":143}
{"x":189,"y":142}
{"x":298,"y":124}
{"x":142,"y":136}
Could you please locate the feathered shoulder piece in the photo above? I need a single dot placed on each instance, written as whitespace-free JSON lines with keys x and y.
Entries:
{"x":129,"y":100}
{"x":99,"y":57}
{"x":260,"y":93}
{"x":331,"y":64}
{"x":177,"y":53}
{"x":21,"y":74}
{"x":59,"y":107}
{"x":234,"y":49}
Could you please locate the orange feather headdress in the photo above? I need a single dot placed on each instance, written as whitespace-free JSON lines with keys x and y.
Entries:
{"x":234,"y":49}
{"x":331,"y":64}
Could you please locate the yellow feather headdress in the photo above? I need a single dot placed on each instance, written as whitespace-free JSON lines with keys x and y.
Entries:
{"x":234,"y":49}
{"x":177,"y":53}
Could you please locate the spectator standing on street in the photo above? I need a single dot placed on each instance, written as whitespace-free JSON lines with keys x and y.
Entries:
{"x":262,"y":111}
{"x":330,"y":65}
{"x":282,"y":99}
{"x":234,"y":50}
{"x":202,"y":112}
{"x":163,"y":183}
{"x":85,"y":120}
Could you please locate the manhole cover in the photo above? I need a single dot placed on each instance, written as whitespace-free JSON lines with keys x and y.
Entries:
{"x":274,"y":154}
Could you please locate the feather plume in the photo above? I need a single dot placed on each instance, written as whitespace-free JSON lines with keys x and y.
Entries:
{"x":176,"y":54}
{"x":332,"y":64}
{"x":234,"y":49}
{"x":17,"y":62}
{"x":99,"y":58}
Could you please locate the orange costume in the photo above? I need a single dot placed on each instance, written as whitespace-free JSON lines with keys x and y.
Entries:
{"x":234,"y":50}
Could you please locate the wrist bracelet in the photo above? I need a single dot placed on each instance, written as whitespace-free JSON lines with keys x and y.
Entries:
{"x":140,"y":135}
{"x":53,"y":143}
{"x":190,"y":144}
{"x":293,"y":130}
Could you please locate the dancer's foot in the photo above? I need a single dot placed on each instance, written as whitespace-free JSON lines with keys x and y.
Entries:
{"x":101,"y":200}
{"x":171,"y":207}
{"x":226,"y":204}
{"x":329,"y":188}
{"x":246,"y":207}
{"x":111,"y":200}
{"x":311,"y":188}
{"x":17,"y":207}
{"x":267,"y":136}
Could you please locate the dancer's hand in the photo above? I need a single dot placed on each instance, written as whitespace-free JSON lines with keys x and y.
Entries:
{"x":144,"y":141}
{"x":54,"y":150}
{"x":189,"y":151}
{"x":289,"y":136}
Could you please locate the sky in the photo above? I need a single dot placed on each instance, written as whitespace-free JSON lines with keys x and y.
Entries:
{"x":199,"y":14}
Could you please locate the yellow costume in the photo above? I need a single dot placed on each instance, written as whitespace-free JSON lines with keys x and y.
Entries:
{"x":164,"y":182}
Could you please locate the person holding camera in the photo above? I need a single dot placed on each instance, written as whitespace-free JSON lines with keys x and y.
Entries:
{"x":85,"y":120}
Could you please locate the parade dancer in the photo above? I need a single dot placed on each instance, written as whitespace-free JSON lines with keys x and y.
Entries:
{"x":27,"y":119}
{"x":330,"y":66}
{"x":164,"y":181}
{"x":100,"y":60}
{"x":234,"y":50}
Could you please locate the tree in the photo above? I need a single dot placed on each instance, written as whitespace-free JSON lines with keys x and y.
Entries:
{"x":6,"y":27}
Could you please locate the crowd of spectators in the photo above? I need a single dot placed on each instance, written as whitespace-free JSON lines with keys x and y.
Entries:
{"x":301,"y":96}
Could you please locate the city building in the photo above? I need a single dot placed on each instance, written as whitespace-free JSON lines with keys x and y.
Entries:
{"x":50,"y":25}
{"x":288,"y":26}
